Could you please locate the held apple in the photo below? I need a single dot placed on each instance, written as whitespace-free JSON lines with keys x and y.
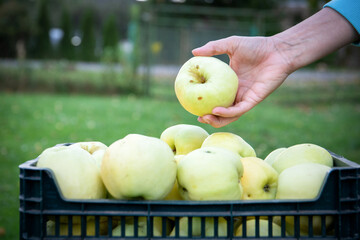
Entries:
{"x":204,"y":83}
{"x":196,"y":227}
{"x":210,"y":173}
{"x":302,"y":153}
{"x":259,"y":180}
{"x":138,"y":166}
{"x":184,"y":138}
{"x":230,"y":141}
{"x":75,"y":171}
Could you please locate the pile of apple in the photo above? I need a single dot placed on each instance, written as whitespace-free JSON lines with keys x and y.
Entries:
{"x":187,"y":163}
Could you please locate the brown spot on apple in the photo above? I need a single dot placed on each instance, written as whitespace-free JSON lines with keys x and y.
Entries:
{"x":197,"y":66}
{"x":199,"y":98}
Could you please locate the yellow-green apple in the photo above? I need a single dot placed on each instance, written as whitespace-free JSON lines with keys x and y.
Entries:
{"x":196,"y":227}
{"x":76,"y":219}
{"x":95,"y":148}
{"x":230,"y":141}
{"x":174,"y":193}
{"x":184,"y":138}
{"x":304,"y":225}
{"x":178,"y":158}
{"x":76,"y":227}
{"x":302,"y":153}
{"x":263,"y":228}
{"x":270,"y":158}
{"x":75,"y":171}
{"x":142,"y":227}
{"x":259,"y":180}
{"x":210,"y":173}
{"x":204,"y":83}
{"x":303,"y":181}
{"x":138,"y":166}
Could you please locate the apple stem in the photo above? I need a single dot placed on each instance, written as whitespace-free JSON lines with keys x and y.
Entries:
{"x":200,"y":78}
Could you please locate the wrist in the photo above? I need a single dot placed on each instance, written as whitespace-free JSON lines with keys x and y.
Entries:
{"x":319,"y":35}
{"x":289,"y":50}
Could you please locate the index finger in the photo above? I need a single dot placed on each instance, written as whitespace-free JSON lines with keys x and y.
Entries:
{"x":212,"y":48}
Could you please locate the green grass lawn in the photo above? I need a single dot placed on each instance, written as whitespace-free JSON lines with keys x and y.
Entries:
{"x":324,"y":114}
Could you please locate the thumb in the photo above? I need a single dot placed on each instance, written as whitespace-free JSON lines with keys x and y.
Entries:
{"x":212,"y":48}
{"x":233,"y":111}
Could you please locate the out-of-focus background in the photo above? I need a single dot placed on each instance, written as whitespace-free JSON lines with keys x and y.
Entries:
{"x":97,"y":70}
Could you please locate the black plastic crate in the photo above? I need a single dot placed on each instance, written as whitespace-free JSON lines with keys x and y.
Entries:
{"x":42,"y":205}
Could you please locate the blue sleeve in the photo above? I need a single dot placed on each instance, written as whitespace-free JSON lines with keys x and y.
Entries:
{"x":349,"y":9}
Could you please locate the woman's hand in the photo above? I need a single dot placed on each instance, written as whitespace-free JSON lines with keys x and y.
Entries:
{"x":260,"y":67}
{"x":263,"y":63}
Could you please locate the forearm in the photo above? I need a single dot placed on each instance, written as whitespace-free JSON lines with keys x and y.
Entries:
{"x":321,"y":34}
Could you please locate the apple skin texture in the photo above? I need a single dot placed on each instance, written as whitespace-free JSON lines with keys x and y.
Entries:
{"x":210,"y":173}
{"x":138,"y":166}
{"x":184,"y":138}
{"x":230,"y":141}
{"x":259,"y":180}
{"x":196,"y":227}
{"x":204,"y":83}
{"x":303,"y":181}
{"x":302,"y":153}
{"x":75,"y":170}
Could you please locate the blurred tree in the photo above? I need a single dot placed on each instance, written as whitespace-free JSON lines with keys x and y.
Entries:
{"x":313,"y":5}
{"x":110,"y":39}
{"x":42,"y":48}
{"x":110,"y":33}
{"x":15,"y":29}
{"x":88,"y":42}
{"x":67,"y":50}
